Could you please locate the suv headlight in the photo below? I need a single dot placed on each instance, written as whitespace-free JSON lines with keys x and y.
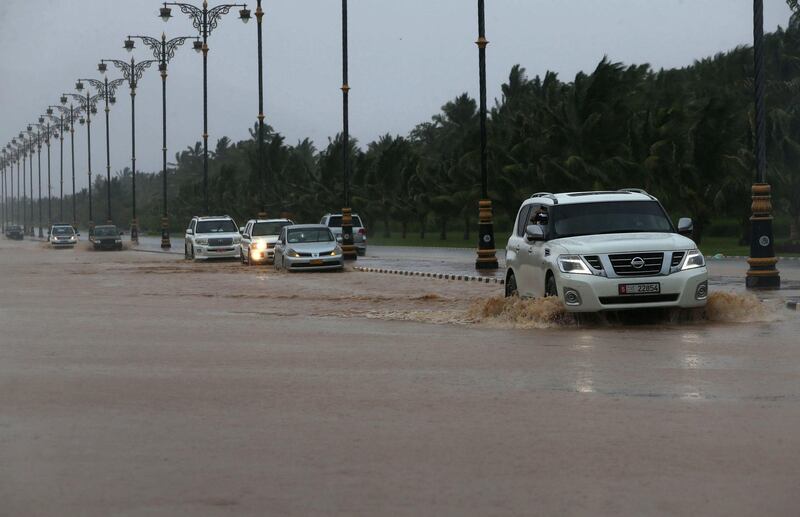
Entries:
{"x":573,"y":264}
{"x":202,"y":242}
{"x":694,"y":259}
{"x":261,"y":245}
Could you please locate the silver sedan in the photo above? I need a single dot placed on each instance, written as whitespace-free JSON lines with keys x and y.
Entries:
{"x":307,"y":247}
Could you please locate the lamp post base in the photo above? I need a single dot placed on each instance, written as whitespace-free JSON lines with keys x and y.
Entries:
{"x":487,"y":254}
{"x":762,"y":274}
{"x":348,"y":244}
{"x":135,"y":231}
{"x":165,"y":243}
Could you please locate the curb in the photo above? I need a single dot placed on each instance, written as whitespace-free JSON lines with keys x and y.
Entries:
{"x":741,"y":257}
{"x":439,"y":276}
{"x":160,"y":252}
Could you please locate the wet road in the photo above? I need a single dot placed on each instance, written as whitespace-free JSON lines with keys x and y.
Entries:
{"x":138,"y":384}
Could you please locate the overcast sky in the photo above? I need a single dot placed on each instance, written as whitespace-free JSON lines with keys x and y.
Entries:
{"x":407,"y":58}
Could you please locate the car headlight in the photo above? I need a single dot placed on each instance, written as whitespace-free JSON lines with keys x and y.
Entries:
{"x":336,"y":251}
{"x":292,"y":253}
{"x":261,"y":245}
{"x":202,"y":242}
{"x":694,"y":259}
{"x":573,"y":264}
{"x":118,"y":241}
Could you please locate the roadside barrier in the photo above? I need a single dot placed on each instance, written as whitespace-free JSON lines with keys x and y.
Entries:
{"x":439,"y":276}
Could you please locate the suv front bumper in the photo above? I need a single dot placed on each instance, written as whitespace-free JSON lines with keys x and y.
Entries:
{"x":210,"y":252}
{"x":599,"y":293}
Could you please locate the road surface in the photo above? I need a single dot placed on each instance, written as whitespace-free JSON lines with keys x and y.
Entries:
{"x":139,"y":384}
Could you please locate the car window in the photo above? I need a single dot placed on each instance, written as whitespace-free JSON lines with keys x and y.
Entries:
{"x":262,"y":229}
{"x":522,"y":220}
{"x":308,"y":235}
{"x":220,"y":226}
{"x":608,"y":217}
{"x":192,"y":225}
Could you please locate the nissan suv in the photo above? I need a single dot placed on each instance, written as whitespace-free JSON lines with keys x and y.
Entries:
{"x":212,"y":237}
{"x":334,"y":222}
{"x":599,"y":251}
{"x":258,"y":239}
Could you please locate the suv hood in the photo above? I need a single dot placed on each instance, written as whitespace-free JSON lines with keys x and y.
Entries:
{"x":624,"y":242}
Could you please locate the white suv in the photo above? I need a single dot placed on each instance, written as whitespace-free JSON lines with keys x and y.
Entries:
{"x":600,"y":251}
{"x":212,"y":237}
{"x":334,"y":222}
{"x":258,"y":239}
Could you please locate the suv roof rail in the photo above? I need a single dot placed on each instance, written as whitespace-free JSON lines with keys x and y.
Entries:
{"x":548,"y":195}
{"x":636,"y":191}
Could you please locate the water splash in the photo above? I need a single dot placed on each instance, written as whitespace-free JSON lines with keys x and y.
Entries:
{"x":726,"y":307}
{"x":530,"y":313}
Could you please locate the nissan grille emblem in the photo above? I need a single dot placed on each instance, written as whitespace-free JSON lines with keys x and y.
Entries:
{"x":637,"y":263}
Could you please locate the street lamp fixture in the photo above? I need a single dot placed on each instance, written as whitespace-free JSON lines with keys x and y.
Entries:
{"x":129,"y":45}
{"x":163,"y":51}
{"x":204,"y":20}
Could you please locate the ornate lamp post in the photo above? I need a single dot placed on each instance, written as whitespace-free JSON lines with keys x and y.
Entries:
{"x":132,"y":73}
{"x":21,"y":199}
{"x":105,"y":90}
{"x":31,"y":152}
{"x":71,"y":122}
{"x":763,"y":273}
{"x":50,"y":132}
{"x":61,"y":152}
{"x":348,"y":245}
{"x":12,"y":150}
{"x":262,"y":165}
{"x":4,"y":162}
{"x":39,"y":168}
{"x":88,"y":105}
{"x":487,"y":255}
{"x":204,"y":20}
{"x":163,"y":51}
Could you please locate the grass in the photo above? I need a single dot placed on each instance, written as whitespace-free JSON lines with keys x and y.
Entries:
{"x":710,"y":246}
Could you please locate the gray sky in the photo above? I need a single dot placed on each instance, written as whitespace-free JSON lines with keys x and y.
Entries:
{"x":407,"y":58}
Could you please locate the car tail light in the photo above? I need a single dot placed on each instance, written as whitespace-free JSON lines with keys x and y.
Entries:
{"x":362,"y":231}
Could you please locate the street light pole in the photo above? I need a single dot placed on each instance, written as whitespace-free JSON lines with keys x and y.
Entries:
{"x":21,"y":199}
{"x":39,"y":166}
{"x":262,"y":172}
{"x":72,"y":113}
{"x":105,"y":90}
{"x":348,"y":245}
{"x":88,"y":106}
{"x":31,"y":148}
{"x":204,"y":21}
{"x":61,"y":158}
{"x":763,"y":273}
{"x":163,"y":51}
{"x":487,"y":255}
{"x":132,"y":73}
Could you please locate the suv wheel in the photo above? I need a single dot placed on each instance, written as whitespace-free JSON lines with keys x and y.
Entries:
{"x":186,"y":252}
{"x":191,"y":251}
{"x":511,"y":286}
{"x":550,"y":287}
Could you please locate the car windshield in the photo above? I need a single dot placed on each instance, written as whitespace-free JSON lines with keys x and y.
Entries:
{"x":221,"y":226}
{"x":309,"y":235}
{"x":109,"y":231}
{"x":63,"y":230}
{"x":608,"y":217}
{"x":335,"y":221}
{"x":262,"y":229}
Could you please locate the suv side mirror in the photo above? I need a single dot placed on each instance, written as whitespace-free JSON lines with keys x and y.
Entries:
{"x":534,"y":232}
{"x":685,"y":226}
{"x":189,"y":231}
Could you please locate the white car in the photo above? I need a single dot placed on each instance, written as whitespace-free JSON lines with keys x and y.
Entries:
{"x":308,"y":247}
{"x":212,"y":237}
{"x":63,"y":236}
{"x":600,"y":251}
{"x":258,"y":239}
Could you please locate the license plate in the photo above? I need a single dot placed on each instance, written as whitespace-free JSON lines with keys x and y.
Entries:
{"x":633,"y":289}
{"x":317,"y":262}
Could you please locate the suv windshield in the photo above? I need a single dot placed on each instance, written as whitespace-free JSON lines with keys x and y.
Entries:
{"x":309,"y":235}
{"x":107,"y":231}
{"x":608,"y":217}
{"x":262,"y":229}
{"x":63,"y":230}
{"x":221,"y":226}
{"x":335,"y":221}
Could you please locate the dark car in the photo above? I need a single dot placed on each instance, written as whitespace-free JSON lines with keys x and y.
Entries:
{"x":14,"y":231}
{"x":106,"y":237}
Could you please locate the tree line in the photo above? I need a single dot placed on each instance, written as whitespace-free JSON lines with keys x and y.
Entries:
{"x":685,"y":135}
